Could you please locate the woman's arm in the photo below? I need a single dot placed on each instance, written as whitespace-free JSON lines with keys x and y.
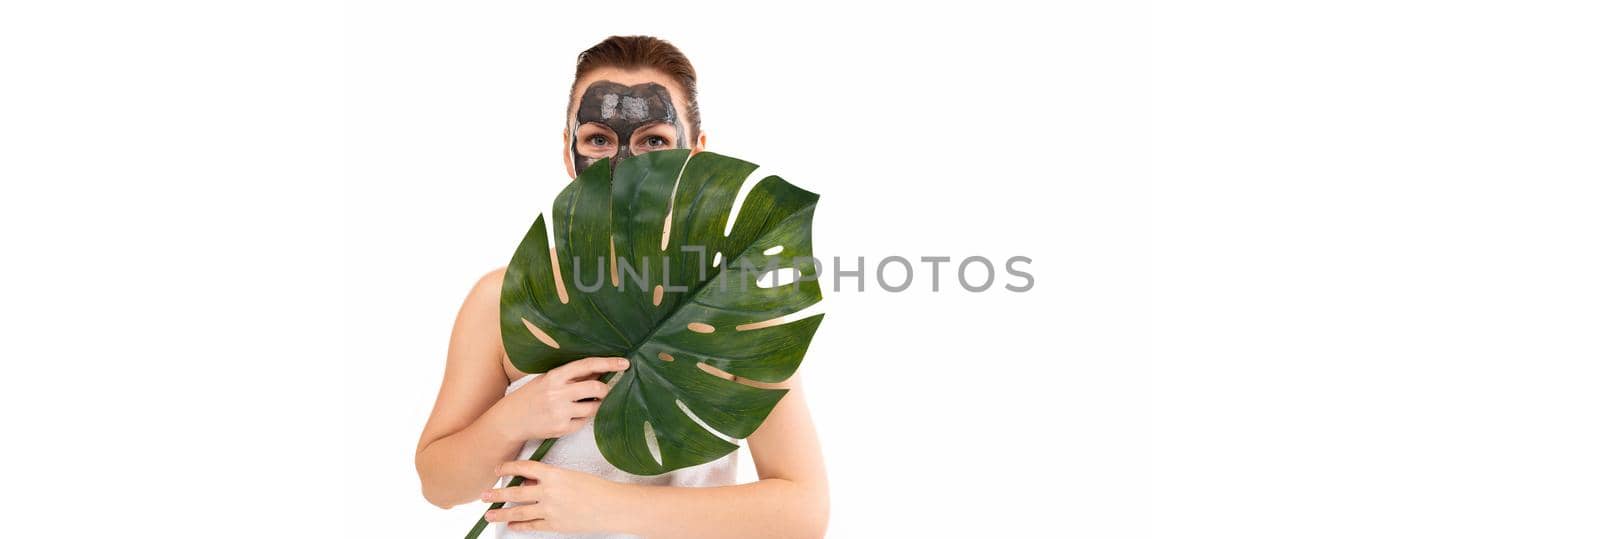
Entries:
{"x":789,"y":500}
{"x":475,"y":425}
{"x":461,"y":443}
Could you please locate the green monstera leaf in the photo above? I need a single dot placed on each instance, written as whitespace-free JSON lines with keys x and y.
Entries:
{"x":641,"y":268}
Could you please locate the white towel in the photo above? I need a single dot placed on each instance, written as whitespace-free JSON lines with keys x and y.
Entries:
{"x":577,"y":451}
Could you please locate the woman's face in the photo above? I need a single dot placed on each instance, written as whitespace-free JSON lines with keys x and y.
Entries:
{"x":619,"y":114}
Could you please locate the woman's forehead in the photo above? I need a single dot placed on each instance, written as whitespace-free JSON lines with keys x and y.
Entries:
{"x":626,"y":78}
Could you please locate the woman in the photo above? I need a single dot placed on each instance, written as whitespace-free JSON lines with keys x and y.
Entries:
{"x":631,"y":95}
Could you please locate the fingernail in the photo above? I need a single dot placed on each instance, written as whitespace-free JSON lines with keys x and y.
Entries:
{"x":485,"y":495}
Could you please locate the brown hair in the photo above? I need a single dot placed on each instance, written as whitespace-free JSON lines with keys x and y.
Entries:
{"x":642,"y":52}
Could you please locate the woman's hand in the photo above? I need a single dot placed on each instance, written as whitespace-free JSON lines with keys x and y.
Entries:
{"x":558,"y":402}
{"x":555,"y":499}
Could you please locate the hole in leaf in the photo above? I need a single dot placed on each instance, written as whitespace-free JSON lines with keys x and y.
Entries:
{"x":699,"y":327}
{"x":777,"y":277}
{"x":541,"y":335}
{"x":657,"y":296}
{"x":759,"y":325}
{"x":664,"y":356}
{"x":716,"y":260}
{"x":692,"y":417}
{"x":747,"y":185}
{"x":666,"y":230}
{"x":616,"y":280}
{"x":650,"y":442}
{"x":672,"y":204}
{"x":773,"y":250}
{"x":561,"y":284}
{"x":725,"y":375}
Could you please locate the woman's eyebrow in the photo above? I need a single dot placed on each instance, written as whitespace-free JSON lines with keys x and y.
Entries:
{"x":598,"y":124}
{"x":653,"y":123}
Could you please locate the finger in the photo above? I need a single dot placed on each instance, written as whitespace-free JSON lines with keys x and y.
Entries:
{"x":571,"y":426}
{"x":524,"y":468}
{"x":514,"y":514}
{"x":592,"y":389}
{"x":584,"y":410}
{"x":520,"y":494}
{"x":587,"y":366}
{"x":530,"y":526}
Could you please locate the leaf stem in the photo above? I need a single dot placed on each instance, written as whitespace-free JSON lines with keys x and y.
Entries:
{"x":538,"y":454}
{"x":544,"y":447}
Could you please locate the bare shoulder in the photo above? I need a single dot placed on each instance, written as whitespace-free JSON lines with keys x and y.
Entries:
{"x":491,"y":281}
{"x":486,"y":292}
{"x":481,"y":311}
{"x":477,"y":331}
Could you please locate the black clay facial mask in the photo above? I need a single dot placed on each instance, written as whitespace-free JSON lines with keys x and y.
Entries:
{"x":623,"y":109}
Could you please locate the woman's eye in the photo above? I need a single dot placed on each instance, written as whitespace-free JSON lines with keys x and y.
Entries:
{"x":655,"y":141}
{"x":598,"y":140}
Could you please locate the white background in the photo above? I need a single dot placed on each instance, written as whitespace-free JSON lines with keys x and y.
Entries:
{"x":1312,"y":271}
